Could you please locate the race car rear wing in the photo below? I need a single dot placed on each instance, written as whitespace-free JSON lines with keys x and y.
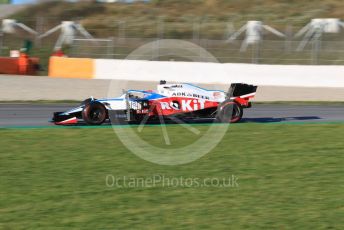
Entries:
{"x":241,"y":90}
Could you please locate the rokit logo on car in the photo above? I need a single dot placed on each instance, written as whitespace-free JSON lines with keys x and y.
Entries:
{"x":186,"y":105}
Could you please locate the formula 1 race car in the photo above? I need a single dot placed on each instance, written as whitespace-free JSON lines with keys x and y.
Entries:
{"x":184,"y":101}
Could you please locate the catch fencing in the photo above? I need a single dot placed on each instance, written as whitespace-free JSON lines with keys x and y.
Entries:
{"x":117,"y":39}
{"x":265,"y":52}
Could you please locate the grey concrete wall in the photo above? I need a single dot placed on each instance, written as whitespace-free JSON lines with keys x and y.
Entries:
{"x":14,"y":88}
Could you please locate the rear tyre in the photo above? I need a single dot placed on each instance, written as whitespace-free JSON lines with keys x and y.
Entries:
{"x":94,"y":113}
{"x":229,"y":112}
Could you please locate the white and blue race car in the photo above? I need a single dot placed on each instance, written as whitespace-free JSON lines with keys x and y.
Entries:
{"x":169,"y":100}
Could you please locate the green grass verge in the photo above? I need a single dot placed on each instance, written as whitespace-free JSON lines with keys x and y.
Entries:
{"x":289,"y":177}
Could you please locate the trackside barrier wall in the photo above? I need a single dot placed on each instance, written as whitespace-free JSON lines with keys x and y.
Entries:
{"x":10,"y":65}
{"x":71,"y":67}
{"x":196,"y":72}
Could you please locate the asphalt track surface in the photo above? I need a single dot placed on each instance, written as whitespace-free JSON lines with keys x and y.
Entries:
{"x":39,"y":115}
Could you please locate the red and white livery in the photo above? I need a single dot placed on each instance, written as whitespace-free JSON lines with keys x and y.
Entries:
{"x":185,"y":101}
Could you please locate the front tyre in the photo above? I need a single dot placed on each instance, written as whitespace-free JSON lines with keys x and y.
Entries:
{"x":94,"y":113}
{"x":229,"y":112}
{"x":87,"y":101}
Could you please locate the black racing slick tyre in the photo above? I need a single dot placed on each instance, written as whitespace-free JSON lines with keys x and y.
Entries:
{"x":229,"y":112}
{"x":94,"y":113}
